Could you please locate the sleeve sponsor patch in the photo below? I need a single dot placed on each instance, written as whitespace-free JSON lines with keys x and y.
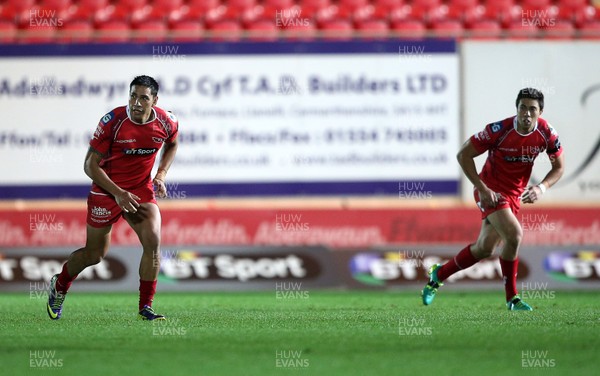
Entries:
{"x":99,"y":132}
{"x":107,"y":118}
{"x":556,"y":147}
{"x":483,"y":135}
{"x":496,"y":127}
{"x":172,"y":116}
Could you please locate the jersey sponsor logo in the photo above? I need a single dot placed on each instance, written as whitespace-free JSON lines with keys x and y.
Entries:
{"x":496,"y":127}
{"x":520,"y":158}
{"x":140,"y":151}
{"x":107,"y":118}
{"x":100,"y":212}
{"x":158,"y":139}
{"x":125,"y":141}
{"x":556,"y":147}
{"x":99,"y":132}
{"x":483,"y":135}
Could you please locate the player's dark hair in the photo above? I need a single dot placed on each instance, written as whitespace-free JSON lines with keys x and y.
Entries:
{"x":531,"y":93}
{"x":145,"y":81}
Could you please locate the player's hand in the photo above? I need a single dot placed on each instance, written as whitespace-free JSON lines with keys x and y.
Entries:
{"x":160,"y":188}
{"x":531,"y":194}
{"x":488,"y":198}
{"x":128,"y":202}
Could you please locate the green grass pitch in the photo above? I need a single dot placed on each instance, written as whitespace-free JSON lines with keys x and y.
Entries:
{"x":320,"y":333}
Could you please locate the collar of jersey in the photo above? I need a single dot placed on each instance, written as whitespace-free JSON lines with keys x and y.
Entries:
{"x":514,"y":126}
{"x":135,"y":122}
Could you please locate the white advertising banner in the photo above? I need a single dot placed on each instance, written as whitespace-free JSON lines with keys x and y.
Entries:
{"x":247,"y":118}
{"x":568,"y":75}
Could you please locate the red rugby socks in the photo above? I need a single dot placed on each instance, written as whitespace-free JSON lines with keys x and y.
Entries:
{"x":463,"y":260}
{"x":147,"y":291}
{"x":63,"y":283}
{"x":509,"y":274}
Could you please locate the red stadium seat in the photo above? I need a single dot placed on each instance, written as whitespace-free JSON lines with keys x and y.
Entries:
{"x":61,"y":10}
{"x":504,"y":11}
{"x":38,"y":34}
{"x":20,"y":3}
{"x":245,"y":11}
{"x":78,"y":31}
{"x":226,"y":31}
{"x":171,"y":10}
{"x":448,"y":29}
{"x":187,"y":31}
{"x":337,"y":30}
{"x":202,"y":9}
{"x":485,"y":29}
{"x":283,"y":15}
{"x":58,"y":5}
{"x":410,"y":29}
{"x":114,"y":31}
{"x":278,"y":4}
{"x":97,"y":10}
{"x":16,"y":10}
{"x":399,"y":13}
{"x":467,"y":11}
{"x":236,"y":8}
{"x":560,"y":30}
{"x":535,"y":4}
{"x":262,"y":30}
{"x":383,"y":8}
{"x":312,"y":8}
{"x":577,"y":11}
{"x":150,"y":31}
{"x":590,"y":30}
{"x":346,"y":8}
{"x":522,"y":30}
{"x":373,"y":29}
{"x":131,"y":10}
{"x":428,"y":10}
{"x":541,"y":17}
{"x":168,"y":5}
{"x":8,"y":31}
{"x":572,"y":3}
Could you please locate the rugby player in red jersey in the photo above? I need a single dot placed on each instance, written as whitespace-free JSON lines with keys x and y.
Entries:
{"x":119,"y":162}
{"x":512,"y":145}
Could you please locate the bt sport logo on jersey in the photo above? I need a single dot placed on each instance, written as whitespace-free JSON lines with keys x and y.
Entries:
{"x":140,"y":151}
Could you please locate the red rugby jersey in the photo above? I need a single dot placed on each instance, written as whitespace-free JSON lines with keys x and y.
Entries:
{"x":129,"y":149}
{"x":511,"y":154}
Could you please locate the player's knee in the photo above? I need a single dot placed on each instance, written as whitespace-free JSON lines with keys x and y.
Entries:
{"x":94,"y":256}
{"x":486,"y":251}
{"x":482,"y":250}
{"x":514,"y":240}
{"x":151,"y":243}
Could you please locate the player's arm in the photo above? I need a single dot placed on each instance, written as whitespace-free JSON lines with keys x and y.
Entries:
{"x":166,"y":159}
{"x":534,"y":193}
{"x":126,"y":200}
{"x":466,"y":159}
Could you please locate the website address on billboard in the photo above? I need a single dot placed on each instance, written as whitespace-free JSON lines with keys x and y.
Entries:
{"x":374,"y":158}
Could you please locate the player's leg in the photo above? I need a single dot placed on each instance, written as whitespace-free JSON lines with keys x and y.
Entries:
{"x":146,"y":223}
{"x":507,"y":225}
{"x":484,"y":247}
{"x":96,"y":247}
